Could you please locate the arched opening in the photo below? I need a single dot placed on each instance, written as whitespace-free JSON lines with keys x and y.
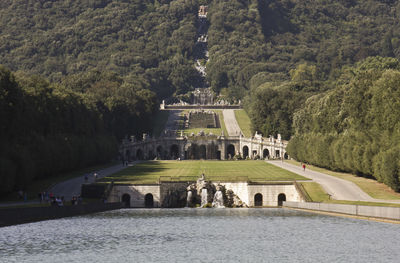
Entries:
{"x":127,"y":156}
{"x":203,"y":152}
{"x":148,"y":201}
{"x":193,"y":152}
{"x":254,"y":154}
{"x":151,"y":155}
{"x":218,"y":155}
{"x":230,"y":151}
{"x":126,"y":200}
{"x":245,"y":152}
{"x":265,"y":153}
{"x":139,"y":154}
{"x":281,"y":199}
{"x":174,"y":152}
{"x":286,"y":156}
{"x":277,"y":154}
{"x":159,"y":152}
{"x":258,"y":200}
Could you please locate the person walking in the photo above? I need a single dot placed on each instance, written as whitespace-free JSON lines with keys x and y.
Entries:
{"x":304,"y":166}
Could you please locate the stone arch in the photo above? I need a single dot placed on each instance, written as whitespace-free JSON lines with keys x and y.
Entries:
{"x":265,"y":153}
{"x":139,"y":154}
{"x":150,"y":155}
{"x":159,"y":152}
{"x":258,"y":199}
{"x":281,"y":199}
{"x":203,"y":152}
{"x":174,"y":151}
{"x":126,"y":200}
{"x":127,"y":155}
{"x":245,"y":152}
{"x":148,"y":200}
{"x":230,"y":151}
{"x":286,"y":156}
{"x":193,"y":152}
{"x":277,"y":154}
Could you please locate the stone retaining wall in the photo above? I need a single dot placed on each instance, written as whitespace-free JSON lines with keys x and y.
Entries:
{"x":357,"y":210}
{"x":15,"y":216}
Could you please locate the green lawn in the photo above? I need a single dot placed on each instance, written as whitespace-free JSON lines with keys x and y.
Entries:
{"x":244,"y":122}
{"x":151,"y":172}
{"x":318,"y":194}
{"x":315,"y":191}
{"x":372,"y":187}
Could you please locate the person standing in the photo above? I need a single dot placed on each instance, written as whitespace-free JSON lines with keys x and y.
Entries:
{"x":304,"y":166}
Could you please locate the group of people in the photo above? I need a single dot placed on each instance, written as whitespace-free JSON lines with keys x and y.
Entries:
{"x":45,"y":197}
{"x":86,"y":177}
{"x":50,"y":198}
{"x":76,"y":200}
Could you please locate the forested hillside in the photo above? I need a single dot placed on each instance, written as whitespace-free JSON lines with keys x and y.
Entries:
{"x":283,"y":51}
{"x":147,"y":42}
{"x":322,"y":72}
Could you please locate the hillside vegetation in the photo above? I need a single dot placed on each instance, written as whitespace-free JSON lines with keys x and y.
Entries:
{"x":147,"y":42}
{"x":47,"y":129}
{"x":324,"y":73}
{"x":277,"y":53}
{"x":356,"y":126}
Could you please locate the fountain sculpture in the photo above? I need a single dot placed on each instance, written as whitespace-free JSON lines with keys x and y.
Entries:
{"x":204,"y":193}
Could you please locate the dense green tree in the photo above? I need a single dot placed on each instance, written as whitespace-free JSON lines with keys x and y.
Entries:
{"x":355,"y":126}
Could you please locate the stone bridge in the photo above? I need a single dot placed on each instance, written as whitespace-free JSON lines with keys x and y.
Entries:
{"x":203,"y":147}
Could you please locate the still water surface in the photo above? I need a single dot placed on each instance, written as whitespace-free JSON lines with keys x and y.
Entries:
{"x":201,"y":235}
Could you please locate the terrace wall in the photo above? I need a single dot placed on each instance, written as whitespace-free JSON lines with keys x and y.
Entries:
{"x":357,"y":210}
{"x":244,"y":190}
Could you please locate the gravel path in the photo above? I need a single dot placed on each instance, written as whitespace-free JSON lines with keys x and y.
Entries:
{"x":338,"y":188}
{"x":230,"y":123}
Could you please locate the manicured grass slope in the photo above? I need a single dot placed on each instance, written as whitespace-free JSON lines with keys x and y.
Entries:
{"x":215,"y":131}
{"x":244,"y":122}
{"x":150,"y":172}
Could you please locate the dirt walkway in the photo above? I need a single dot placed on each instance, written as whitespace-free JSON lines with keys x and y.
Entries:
{"x":339,"y":189}
{"x":230,"y":123}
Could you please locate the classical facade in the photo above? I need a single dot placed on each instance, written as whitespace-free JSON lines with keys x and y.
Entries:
{"x":203,"y":147}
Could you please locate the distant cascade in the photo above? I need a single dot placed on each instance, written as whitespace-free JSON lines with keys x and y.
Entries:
{"x":204,"y":197}
{"x":190,"y":198}
{"x":218,"y":201}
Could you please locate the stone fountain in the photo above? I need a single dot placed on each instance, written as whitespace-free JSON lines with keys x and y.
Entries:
{"x":204,"y":193}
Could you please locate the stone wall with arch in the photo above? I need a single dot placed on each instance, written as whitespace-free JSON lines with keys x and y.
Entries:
{"x":203,"y":147}
{"x":271,"y":193}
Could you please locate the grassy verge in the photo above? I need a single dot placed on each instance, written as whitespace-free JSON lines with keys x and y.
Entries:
{"x":372,"y":187}
{"x":159,"y":122}
{"x":315,"y":191}
{"x":318,"y":194}
{"x":153,"y":171}
{"x":44,"y":184}
{"x":244,"y":122}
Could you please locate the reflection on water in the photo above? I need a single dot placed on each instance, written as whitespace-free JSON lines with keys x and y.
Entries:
{"x":201,"y":235}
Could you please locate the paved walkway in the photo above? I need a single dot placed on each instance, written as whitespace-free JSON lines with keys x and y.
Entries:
{"x":338,"y":188}
{"x":230,"y":123}
{"x":72,"y":187}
